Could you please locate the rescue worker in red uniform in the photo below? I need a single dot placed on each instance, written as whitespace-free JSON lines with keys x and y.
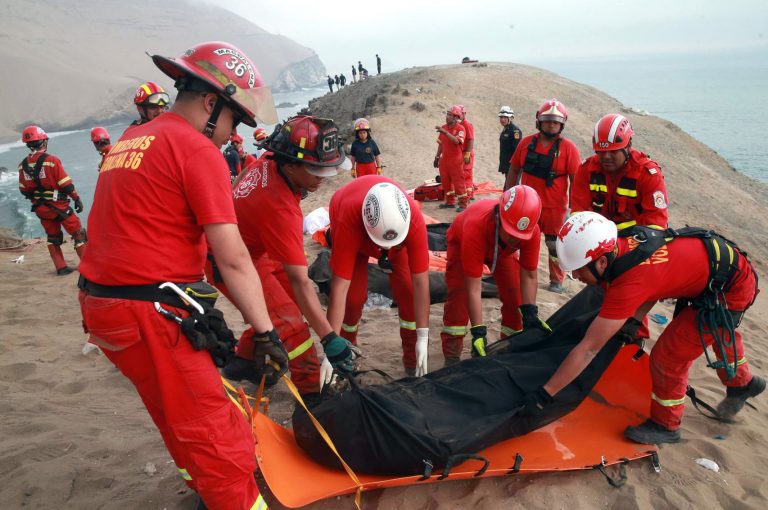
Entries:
{"x":302,"y":153}
{"x":44,"y":182}
{"x":547,"y":161}
{"x":619,"y":182}
{"x":151,"y":100}
{"x":364,"y":152}
{"x":392,"y":230}
{"x":162,"y":199}
{"x":589,"y":246}
{"x":259,"y":135}
{"x":450,"y":160}
{"x":468,"y":154}
{"x":100,"y":139}
{"x":504,"y":235}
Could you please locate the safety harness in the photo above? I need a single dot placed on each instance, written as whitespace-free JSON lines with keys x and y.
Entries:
{"x":41,"y":195}
{"x":205,"y":327}
{"x":541,"y":165}
{"x":712,"y":314}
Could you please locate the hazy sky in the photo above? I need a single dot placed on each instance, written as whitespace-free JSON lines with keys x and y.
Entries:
{"x":413,"y":32}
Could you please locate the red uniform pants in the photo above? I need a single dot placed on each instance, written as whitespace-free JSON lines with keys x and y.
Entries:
{"x":288,"y":321}
{"x":365,"y":168}
{"x":679,"y":345}
{"x":209,"y":439}
{"x":452,"y":179}
{"x":456,"y":309}
{"x":552,"y":218}
{"x":402,"y":291}
{"x":469,"y":176}
{"x":53,"y":223}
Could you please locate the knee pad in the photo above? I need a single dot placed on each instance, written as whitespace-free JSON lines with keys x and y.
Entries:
{"x":56,"y":239}
{"x":80,"y":237}
{"x":549,"y":240}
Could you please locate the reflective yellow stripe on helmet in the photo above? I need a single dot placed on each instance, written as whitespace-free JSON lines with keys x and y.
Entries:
{"x":407,"y":324}
{"x":602,"y":188}
{"x":349,"y":328}
{"x":184,"y":474}
{"x":260,"y":504}
{"x":301,"y":348}
{"x":455,"y":330}
{"x":506,"y":330}
{"x":670,"y":402}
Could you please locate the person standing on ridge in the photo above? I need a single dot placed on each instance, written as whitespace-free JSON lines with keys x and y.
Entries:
{"x":354,"y":74}
{"x":469,"y":154}
{"x":378,"y":64}
{"x":372,"y":217}
{"x":712,"y":279}
{"x":163,"y":198}
{"x":272,"y":189}
{"x":360,"y":68}
{"x":330,"y":83}
{"x":342,"y":79}
{"x":44,"y":182}
{"x":151,"y":100}
{"x":508,"y":139}
{"x":493,"y":233}
{"x":547,"y":162}
{"x":336,"y":80}
{"x":364,"y":152}
{"x":450,"y":160}
{"x":100,"y":139}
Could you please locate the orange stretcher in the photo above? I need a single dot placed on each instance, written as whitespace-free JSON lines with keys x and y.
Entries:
{"x":591,"y":437}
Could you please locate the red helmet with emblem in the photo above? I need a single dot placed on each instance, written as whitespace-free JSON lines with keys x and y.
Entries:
{"x":99,"y":134}
{"x":552,"y":110}
{"x":308,"y":139}
{"x":519,"y":211}
{"x":584,"y":238}
{"x":33,"y":134}
{"x":612,"y":132}
{"x":150,"y":93}
{"x":260,"y":134}
{"x":362,"y":124}
{"x":227,"y":70}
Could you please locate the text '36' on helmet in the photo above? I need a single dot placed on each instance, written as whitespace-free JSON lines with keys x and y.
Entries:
{"x":583,"y":238}
{"x":386,"y":214}
{"x":99,"y":134}
{"x":150,"y":93}
{"x":229,"y":72}
{"x":519,"y":211}
{"x":552,"y":110}
{"x":311,"y":140}
{"x":33,"y":134}
{"x":506,"y":111}
{"x":612,"y":132}
{"x":362,"y":124}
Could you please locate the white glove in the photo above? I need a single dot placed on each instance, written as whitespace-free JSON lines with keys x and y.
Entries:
{"x":326,"y":372}
{"x":422,"y":341}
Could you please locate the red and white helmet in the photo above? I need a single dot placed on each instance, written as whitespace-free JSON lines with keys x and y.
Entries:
{"x":236,"y":139}
{"x":311,"y":140}
{"x":150,"y":93}
{"x":456,"y":111}
{"x":33,"y":134}
{"x":552,"y":110}
{"x":99,"y":135}
{"x":362,"y":124}
{"x":612,"y":132}
{"x":386,"y":214}
{"x":260,"y":134}
{"x":583,"y":238}
{"x":228,"y":71}
{"x":519,"y":211}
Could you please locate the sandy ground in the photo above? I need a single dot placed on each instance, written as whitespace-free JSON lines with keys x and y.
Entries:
{"x":75,"y":434}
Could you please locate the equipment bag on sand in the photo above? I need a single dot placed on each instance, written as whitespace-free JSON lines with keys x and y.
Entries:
{"x":414,"y":425}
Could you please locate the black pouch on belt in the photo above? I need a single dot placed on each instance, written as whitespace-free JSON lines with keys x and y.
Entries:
{"x":208,"y":330}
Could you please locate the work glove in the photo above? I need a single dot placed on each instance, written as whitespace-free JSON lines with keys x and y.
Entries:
{"x":353,"y":173}
{"x":436,"y":163}
{"x":628,"y":331}
{"x":532,"y":320}
{"x":326,"y":372}
{"x":270,"y":357}
{"x":422,"y":342}
{"x":467,"y":157}
{"x":378,"y":170}
{"x":339,"y":352}
{"x":78,"y":205}
{"x":535,"y":401}
{"x":478,"y":340}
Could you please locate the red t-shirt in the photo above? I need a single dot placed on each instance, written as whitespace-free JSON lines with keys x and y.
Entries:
{"x":679,"y":269}
{"x":52,"y":174}
{"x":349,"y":237}
{"x":269,"y":214}
{"x":246,"y":162}
{"x":158,"y":186}
{"x":473,"y":232}
{"x":567,"y":161}
{"x":449,"y":150}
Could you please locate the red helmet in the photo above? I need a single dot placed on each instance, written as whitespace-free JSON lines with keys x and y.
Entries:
{"x":33,"y":134}
{"x":552,"y":110}
{"x":260,"y":134}
{"x":612,"y":132}
{"x":236,"y":139}
{"x":308,"y":139}
{"x":519,"y":210}
{"x":362,"y":123}
{"x":227,"y":70}
{"x":455,"y":110}
{"x":99,"y":134}
{"x":150,"y":93}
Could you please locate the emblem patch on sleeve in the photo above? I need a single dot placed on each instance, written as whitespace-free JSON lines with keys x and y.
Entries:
{"x":658,"y":200}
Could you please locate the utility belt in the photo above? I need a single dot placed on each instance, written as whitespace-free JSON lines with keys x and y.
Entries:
{"x":205,"y":327}
{"x":49,"y":194}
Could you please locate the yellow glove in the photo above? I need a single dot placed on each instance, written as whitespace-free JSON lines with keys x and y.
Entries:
{"x":378,"y":170}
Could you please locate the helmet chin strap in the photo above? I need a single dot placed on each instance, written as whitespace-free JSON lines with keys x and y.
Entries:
{"x":592,"y":266}
{"x":210,"y":126}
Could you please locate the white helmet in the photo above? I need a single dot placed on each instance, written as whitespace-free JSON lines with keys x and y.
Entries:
{"x":506,"y":111}
{"x":584,"y":237}
{"x":386,"y":214}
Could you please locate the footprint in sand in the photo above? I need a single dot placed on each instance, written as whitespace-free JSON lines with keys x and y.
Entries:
{"x":17,"y":371}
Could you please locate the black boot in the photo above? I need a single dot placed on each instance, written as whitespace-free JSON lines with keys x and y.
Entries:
{"x":650,"y":432}
{"x":735,"y":398}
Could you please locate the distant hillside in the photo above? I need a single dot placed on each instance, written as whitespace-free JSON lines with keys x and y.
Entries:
{"x":68,"y":63}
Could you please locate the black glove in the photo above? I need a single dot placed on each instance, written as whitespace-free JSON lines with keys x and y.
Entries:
{"x":628,"y":331}
{"x":531,"y":318}
{"x":479,"y":341}
{"x":535,"y":401}
{"x":269,"y":344}
{"x":436,"y":163}
{"x":384,"y":263}
{"x":78,"y":205}
{"x":338,"y":352}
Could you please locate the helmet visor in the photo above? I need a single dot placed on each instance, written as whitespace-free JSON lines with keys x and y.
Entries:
{"x":256,"y":104}
{"x":158,"y":99}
